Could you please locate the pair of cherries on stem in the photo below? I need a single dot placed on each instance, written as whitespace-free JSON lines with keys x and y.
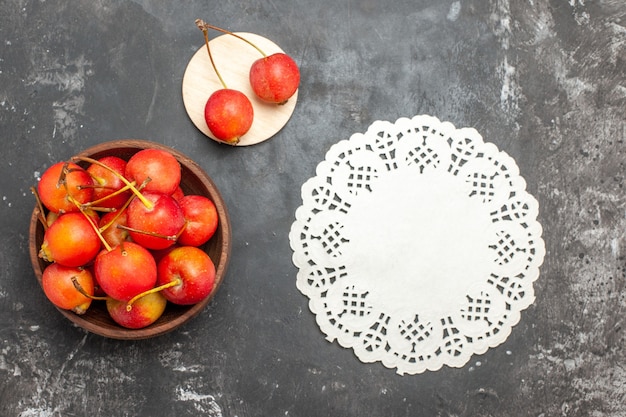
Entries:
{"x":273,"y":78}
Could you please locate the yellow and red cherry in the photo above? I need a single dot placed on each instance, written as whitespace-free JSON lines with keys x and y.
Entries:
{"x":58,"y":286}
{"x":64,"y":186}
{"x":71,"y":240}
{"x":145,"y":310}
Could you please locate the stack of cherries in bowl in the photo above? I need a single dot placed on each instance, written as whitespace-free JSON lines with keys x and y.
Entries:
{"x":129,"y":239}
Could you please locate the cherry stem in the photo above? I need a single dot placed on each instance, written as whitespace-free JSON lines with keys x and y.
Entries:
{"x":108,"y":196}
{"x":41,"y":216}
{"x":119,"y":213}
{"x":132,"y":187}
{"x":81,"y":290}
{"x":64,"y":171}
{"x":153,"y":234}
{"x":102,"y":209}
{"x":174,"y":283}
{"x":203,"y":25}
{"x":81,"y":209}
{"x":205,"y":32}
{"x":93,"y":225}
{"x":182,"y":229}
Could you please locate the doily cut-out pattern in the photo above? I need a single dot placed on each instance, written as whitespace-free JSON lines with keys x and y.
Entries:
{"x":417,"y":244}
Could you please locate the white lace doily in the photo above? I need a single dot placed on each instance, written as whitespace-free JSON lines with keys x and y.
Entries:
{"x":417,"y":244}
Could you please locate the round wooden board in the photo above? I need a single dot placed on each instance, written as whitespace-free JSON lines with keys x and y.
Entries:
{"x":233,"y":58}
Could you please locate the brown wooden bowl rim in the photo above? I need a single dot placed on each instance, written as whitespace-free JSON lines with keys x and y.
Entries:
{"x":189,"y":312}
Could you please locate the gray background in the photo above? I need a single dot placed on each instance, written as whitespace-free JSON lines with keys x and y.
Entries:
{"x":544,"y":80}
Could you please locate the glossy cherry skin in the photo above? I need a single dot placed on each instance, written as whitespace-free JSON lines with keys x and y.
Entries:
{"x":143,"y":312}
{"x":194,"y":268}
{"x":228,"y":114}
{"x":70,"y":240}
{"x":159,"y":224}
{"x":57,"y":196}
{"x":275,"y":78}
{"x":201,"y":217}
{"x":159,"y":166}
{"x":125,"y":271}
{"x":59,"y":288}
{"x":107,"y":181}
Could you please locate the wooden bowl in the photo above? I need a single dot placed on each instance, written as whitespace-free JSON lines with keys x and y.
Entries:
{"x":193,"y":181}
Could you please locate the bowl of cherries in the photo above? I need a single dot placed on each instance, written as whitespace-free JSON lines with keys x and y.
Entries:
{"x":129,"y":239}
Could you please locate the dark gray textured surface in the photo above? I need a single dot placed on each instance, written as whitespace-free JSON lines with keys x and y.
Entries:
{"x":544,"y":80}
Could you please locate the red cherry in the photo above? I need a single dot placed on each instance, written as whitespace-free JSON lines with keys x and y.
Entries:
{"x":160,"y":166}
{"x":275,"y":78}
{"x":107,"y":182}
{"x":194,"y":270}
{"x":178,"y":194}
{"x":125,"y":271}
{"x":58,"y":197}
{"x":156,"y":227}
{"x":228,"y":114}
{"x":202,"y":219}
{"x":110,"y":231}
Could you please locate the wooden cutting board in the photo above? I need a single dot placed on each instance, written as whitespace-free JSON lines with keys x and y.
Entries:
{"x":233,"y":58}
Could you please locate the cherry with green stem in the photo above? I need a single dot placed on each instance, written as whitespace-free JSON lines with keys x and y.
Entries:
{"x":274,"y":78}
{"x":129,"y":303}
{"x":228,"y":113}
{"x":129,"y":184}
